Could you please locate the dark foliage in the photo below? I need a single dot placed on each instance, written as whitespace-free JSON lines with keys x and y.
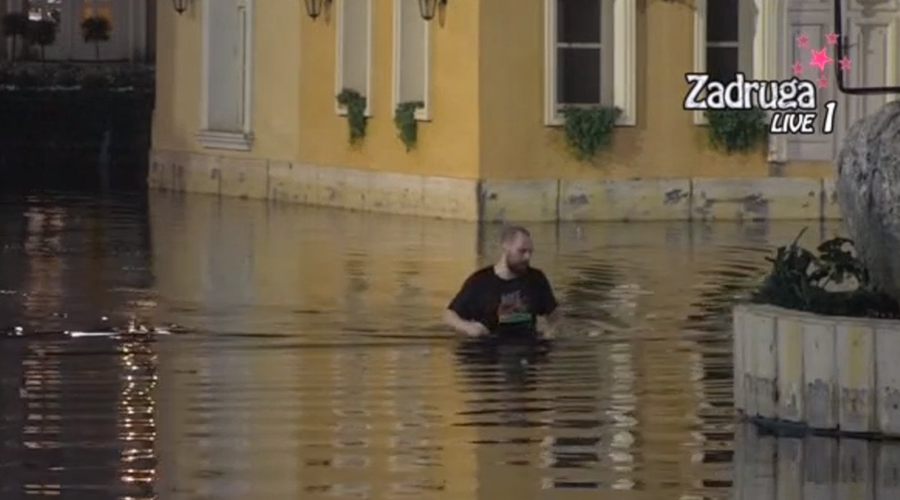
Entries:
{"x":74,"y":77}
{"x":96,"y":29}
{"x":14,"y":26}
{"x":42,"y":33}
{"x":799,"y":279}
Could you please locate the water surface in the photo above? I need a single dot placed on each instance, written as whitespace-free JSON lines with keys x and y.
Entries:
{"x":317,"y":367}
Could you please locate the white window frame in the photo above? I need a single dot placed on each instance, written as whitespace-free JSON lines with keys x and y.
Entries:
{"x":339,"y":55}
{"x":218,"y":139}
{"x":745,"y":41}
{"x":424,"y":113}
{"x":624,"y":50}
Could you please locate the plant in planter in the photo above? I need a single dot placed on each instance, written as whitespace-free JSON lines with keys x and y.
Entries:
{"x":96,"y":29}
{"x":588,"y":130}
{"x":407,"y":125}
{"x":834,"y":282}
{"x":355,"y":104}
{"x":42,"y":33}
{"x":737,"y":130}
{"x":15,"y":27}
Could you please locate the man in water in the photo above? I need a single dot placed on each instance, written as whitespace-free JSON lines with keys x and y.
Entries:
{"x":504,"y":300}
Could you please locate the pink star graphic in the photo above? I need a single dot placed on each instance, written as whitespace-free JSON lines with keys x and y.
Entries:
{"x":820,"y":59}
{"x":832,"y":38}
{"x":845,"y":63}
{"x":823,"y":82}
{"x":798,"y":68}
{"x":802,"y":41}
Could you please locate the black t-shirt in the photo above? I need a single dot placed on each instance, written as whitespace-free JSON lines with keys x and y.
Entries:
{"x":505,"y":306}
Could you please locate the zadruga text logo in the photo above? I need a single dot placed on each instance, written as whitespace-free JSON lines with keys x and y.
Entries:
{"x":792,"y":104}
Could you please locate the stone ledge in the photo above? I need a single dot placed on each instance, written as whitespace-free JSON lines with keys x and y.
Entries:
{"x":289,"y":182}
{"x":537,"y":200}
{"x":822,"y":374}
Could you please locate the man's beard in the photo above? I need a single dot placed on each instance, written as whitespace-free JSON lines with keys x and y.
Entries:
{"x":517,"y":267}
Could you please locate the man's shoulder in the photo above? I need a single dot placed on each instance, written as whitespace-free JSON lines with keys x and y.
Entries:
{"x":482,"y":273}
{"x":535,"y":272}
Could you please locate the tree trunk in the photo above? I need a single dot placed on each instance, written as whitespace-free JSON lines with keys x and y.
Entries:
{"x":97,"y":50}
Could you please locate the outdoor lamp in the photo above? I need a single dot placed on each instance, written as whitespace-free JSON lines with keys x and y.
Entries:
{"x":429,"y":7}
{"x":180,"y":6}
{"x":314,"y":7}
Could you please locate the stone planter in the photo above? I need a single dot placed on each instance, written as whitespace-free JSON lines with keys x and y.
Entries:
{"x":825,"y":374}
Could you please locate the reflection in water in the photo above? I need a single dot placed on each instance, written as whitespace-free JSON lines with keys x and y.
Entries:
{"x":77,"y":419}
{"x":317,"y":367}
{"x":815,"y":467}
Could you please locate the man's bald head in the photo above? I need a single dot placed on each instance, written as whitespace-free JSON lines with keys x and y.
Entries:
{"x":511,"y":233}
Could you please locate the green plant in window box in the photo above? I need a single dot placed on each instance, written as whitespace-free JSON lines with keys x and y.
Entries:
{"x":737,"y":130}
{"x":407,"y":125}
{"x":355,"y":104}
{"x":589,"y":129}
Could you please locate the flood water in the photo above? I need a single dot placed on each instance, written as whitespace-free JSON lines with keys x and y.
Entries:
{"x":316,"y":367}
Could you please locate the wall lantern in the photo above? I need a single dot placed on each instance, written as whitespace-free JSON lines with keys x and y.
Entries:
{"x":180,"y":6}
{"x":314,"y":7}
{"x":428,"y":8}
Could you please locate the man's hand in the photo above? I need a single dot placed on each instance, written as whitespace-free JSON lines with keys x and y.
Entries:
{"x":475,"y":329}
{"x":466,"y":327}
{"x":551,"y":324}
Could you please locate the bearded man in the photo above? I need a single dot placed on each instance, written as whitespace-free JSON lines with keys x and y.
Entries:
{"x":503,"y":301}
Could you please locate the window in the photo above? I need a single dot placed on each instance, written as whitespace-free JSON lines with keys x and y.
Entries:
{"x":411,"y":56}
{"x":45,"y":9}
{"x":90,"y":8}
{"x":227,"y":75}
{"x":723,"y":40}
{"x":354,"y":49}
{"x":589,"y":60}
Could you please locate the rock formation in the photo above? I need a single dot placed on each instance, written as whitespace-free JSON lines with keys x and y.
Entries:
{"x":868,"y":192}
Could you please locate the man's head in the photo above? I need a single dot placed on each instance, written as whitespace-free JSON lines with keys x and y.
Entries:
{"x":515,"y":243}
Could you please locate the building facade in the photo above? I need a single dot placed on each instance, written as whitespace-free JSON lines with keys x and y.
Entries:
{"x":246,"y":105}
{"x":132,"y":38}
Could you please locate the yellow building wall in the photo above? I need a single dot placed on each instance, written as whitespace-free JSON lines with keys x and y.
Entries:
{"x":447,"y":146}
{"x":665,"y":143}
{"x":486,"y":153}
{"x":179,"y":77}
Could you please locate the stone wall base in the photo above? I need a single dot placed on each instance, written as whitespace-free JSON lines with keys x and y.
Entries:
{"x":730,"y":199}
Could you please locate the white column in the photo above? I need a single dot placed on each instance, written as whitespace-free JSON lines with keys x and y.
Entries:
{"x":769,"y":49}
{"x":69,"y":30}
{"x":137,"y":49}
{"x":625,"y":60}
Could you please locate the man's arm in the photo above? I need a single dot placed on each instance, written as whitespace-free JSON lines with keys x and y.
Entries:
{"x":460,"y":308}
{"x":453,"y":320}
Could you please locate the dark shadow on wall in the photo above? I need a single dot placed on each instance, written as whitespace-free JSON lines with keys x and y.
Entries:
{"x":85,"y":140}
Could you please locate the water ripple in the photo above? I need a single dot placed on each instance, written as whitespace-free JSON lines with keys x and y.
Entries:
{"x":312,"y":364}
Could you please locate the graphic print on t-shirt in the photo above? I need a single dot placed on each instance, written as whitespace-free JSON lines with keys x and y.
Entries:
{"x":512,"y":309}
